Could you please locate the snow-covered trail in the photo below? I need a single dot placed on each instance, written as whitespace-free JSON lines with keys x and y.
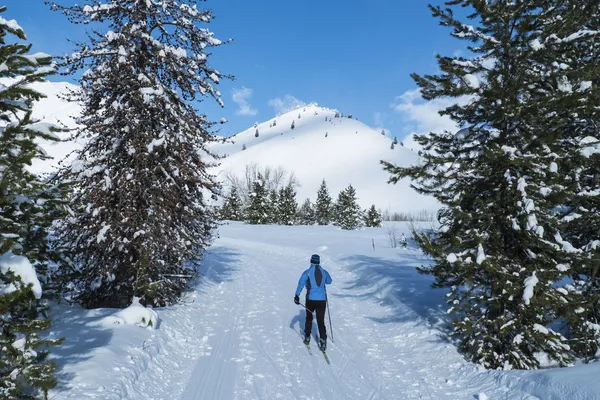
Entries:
{"x":238,"y":334}
{"x":383,"y":349}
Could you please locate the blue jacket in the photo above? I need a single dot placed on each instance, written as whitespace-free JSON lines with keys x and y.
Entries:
{"x":308,"y":279}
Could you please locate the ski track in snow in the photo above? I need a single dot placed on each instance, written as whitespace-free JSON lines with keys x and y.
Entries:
{"x":238,"y":335}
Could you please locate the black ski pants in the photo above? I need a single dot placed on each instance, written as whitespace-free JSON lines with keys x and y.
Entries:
{"x":318,"y":306}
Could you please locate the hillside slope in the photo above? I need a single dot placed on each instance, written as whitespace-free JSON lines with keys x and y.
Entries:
{"x":342,"y":151}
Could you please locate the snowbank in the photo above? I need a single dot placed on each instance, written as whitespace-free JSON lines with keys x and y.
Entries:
{"x":135,"y":314}
{"x":22,"y":268}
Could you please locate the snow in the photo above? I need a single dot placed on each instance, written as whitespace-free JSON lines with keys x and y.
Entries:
{"x":529,"y":287}
{"x":233,"y":339}
{"x":480,"y":254}
{"x":472,"y":81}
{"x":136,"y":314}
{"x":350,"y":154}
{"x":22,"y":268}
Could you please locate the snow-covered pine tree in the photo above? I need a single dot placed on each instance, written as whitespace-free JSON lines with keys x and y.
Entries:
{"x":499,"y":249}
{"x":392,"y":146}
{"x":287,"y":206}
{"x":348,"y":214}
{"x":372,"y":217}
{"x":569,"y":53}
{"x":256,"y":133}
{"x":273,"y":207}
{"x":293,"y":125}
{"x":141,"y":217}
{"x":258,"y":209}
{"x":395,"y":140}
{"x":233,"y":208}
{"x":28,"y":207}
{"x":323,"y":206}
{"x":306,"y":213}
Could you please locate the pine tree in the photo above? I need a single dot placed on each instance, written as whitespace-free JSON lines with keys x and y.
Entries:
{"x":395,"y":140}
{"x":383,"y":132}
{"x":233,"y":206}
{"x":293,"y":125}
{"x":372,"y":217}
{"x":256,"y":133}
{"x":273,"y":209}
{"x":258,"y":210}
{"x":571,"y":58}
{"x":348,"y":214}
{"x":392,"y":146}
{"x":274,"y":122}
{"x":28,"y":207}
{"x":141,"y":210}
{"x":306,"y":213}
{"x":326,"y":134}
{"x":323,"y":206}
{"x":244,"y":147}
{"x":287,"y":206}
{"x":500,"y":250}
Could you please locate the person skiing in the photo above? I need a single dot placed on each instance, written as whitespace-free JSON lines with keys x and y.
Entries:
{"x":314,"y":279}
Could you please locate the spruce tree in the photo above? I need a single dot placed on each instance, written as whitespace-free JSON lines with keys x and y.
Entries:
{"x":28,"y":208}
{"x":372,"y":217}
{"x":273,"y":209}
{"x":348,"y":214}
{"x":258,"y":209}
{"x":256,"y":133}
{"x":570,"y":58}
{"x":323,"y":206}
{"x":142,"y":217}
{"x":500,"y":250}
{"x":233,"y":207}
{"x":306,"y":213}
{"x":287,"y":206}
{"x":293,"y":125}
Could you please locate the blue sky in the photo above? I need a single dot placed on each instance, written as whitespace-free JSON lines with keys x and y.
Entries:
{"x":355,"y":56}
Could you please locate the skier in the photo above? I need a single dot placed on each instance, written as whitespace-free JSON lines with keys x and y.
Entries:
{"x":315,"y":278}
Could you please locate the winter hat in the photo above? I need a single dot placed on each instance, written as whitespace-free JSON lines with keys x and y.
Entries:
{"x":315,"y":259}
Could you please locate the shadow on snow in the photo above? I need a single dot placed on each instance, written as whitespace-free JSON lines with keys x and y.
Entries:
{"x":398,"y":285}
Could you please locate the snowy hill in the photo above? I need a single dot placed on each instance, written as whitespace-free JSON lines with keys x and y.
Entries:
{"x":350,"y":154}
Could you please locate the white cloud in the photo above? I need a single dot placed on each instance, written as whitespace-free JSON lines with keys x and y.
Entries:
{"x":422,"y":117}
{"x":240,"y":97}
{"x":285,"y":104}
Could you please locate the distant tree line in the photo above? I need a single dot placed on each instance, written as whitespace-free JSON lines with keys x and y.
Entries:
{"x":268,"y":196}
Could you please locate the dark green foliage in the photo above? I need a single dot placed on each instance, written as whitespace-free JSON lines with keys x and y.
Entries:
{"x":141,"y":210}
{"x":287,"y":207}
{"x":258,"y":210}
{"x":256,"y":133}
{"x":500,"y":250}
{"x":306,"y":213}
{"x":293,"y":125}
{"x":372,"y":217}
{"x":323,"y":206}
{"x":348,"y":214}
{"x":28,"y":208}
{"x":233,"y":207}
{"x":272,"y":208}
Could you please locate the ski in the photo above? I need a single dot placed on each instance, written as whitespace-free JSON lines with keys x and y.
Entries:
{"x":326,"y":358}
{"x":307,"y":345}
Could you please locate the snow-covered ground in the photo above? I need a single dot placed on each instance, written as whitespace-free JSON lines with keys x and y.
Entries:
{"x":236,"y":336}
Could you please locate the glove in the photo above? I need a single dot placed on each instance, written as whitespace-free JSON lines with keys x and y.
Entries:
{"x":296,"y":299}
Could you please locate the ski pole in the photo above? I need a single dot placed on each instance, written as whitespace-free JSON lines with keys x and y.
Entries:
{"x":329,"y":315}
